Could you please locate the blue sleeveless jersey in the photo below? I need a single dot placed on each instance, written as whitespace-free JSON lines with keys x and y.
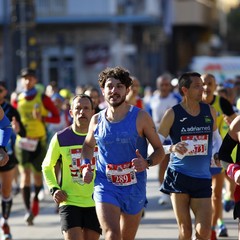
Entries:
{"x":198,"y":129}
{"x":117,"y":143}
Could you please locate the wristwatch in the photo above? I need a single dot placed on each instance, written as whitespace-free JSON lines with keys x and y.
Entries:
{"x":53,"y":190}
{"x":149,"y":161}
{"x":4,"y":148}
{"x":216,"y":156}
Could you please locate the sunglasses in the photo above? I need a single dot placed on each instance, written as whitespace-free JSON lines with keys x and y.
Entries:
{"x":1,"y":90}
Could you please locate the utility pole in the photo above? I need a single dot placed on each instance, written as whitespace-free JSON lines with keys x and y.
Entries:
{"x":6,"y":46}
{"x":23,"y":33}
{"x":24,"y":39}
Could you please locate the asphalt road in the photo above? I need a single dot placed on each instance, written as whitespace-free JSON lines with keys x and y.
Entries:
{"x":158,"y":223}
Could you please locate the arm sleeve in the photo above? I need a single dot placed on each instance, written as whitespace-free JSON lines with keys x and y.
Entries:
{"x":49,"y":162}
{"x":226,"y":106}
{"x":226,"y":148}
{"x":5,"y":131}
{"x":217,"y":141}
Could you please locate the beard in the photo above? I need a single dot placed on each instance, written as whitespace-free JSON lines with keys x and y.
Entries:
{"x":117,"y":103}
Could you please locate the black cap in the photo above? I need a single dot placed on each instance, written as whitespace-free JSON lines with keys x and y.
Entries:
{"x":28,"y":71}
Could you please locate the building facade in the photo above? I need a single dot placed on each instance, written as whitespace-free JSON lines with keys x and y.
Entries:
{"x":71,"y":41}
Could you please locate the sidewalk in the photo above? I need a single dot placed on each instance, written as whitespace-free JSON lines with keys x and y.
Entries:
{"x":158,"y":223}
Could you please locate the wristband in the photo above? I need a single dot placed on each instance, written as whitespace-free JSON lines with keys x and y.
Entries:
{"x":167,"y":149}
{"x":85,"y":161}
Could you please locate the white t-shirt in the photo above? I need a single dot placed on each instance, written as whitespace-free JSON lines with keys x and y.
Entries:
{"x":160,"y":105}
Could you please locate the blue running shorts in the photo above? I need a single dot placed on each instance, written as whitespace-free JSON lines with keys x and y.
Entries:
{"x":128,"y":203}
{"x":176,"y":182}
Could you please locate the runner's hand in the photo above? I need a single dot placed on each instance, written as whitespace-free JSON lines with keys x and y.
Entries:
{"x":139,"y":163}
{"x":87,"y":174}
{"x":59,"y":196}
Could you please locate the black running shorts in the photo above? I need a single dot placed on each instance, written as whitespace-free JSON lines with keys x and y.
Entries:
{"x":84,"y":217}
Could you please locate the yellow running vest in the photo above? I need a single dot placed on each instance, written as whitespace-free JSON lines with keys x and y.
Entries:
{"x":221,"y":124}
{"x":35,"y":128}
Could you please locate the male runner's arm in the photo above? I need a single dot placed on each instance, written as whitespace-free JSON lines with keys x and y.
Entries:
{"x":5,"y":134}
{"x":228,"y":110}
{"x":146,"y":128}
{"x":87,"y":151}
{"x":164,"y":130}
{"x":54,"y":117}
{"x":231,"y":139}
{"x":48,"y":169}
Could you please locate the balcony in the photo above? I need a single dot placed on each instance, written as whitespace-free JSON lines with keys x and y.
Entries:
{"x":97,"y":11}
{"x":90,"y":11}
{"x":193,"y":12}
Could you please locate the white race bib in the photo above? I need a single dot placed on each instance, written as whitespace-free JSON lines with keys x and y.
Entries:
{"x":121,"y":174}
{"x":28,"y":144}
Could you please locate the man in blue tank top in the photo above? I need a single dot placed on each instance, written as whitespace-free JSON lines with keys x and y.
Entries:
{"x":121,"y":132}
{"x":195,"y":138}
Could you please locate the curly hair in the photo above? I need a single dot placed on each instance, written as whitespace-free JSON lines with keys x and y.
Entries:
{"x":119,"y":73}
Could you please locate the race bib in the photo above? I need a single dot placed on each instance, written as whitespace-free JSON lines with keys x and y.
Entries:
{"x":75,"y":167}
{"x":28,"y":144}
{"x":121,"y":174}
{"x":76,"y":175}
{"x":76,"y":158}
{"x":200,"y":143}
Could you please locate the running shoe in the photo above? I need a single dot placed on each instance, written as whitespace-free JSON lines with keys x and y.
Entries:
{"x":222,"y":231}
{"x":29,"y":218}
{"x":228,"y":205}
{"x":6,"y":235}
{"x":213,"y":235}
{"x":35,"y":207}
